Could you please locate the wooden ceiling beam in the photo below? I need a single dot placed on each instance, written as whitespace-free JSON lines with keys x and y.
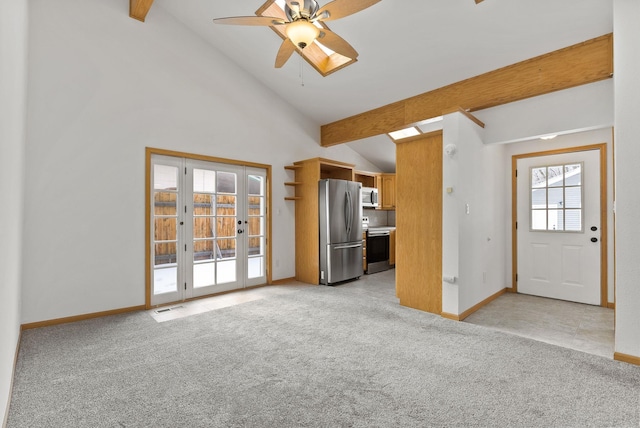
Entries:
{"x":138,"y":9}
{"x":576,"y":65}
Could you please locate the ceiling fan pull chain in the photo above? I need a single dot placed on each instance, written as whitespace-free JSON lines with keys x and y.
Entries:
{"x":301,"y":71}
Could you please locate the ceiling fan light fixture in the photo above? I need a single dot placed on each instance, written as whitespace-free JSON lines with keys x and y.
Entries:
{"x":302,"y":32}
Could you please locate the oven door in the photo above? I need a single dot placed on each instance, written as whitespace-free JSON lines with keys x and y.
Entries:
{"x":377,"y":251}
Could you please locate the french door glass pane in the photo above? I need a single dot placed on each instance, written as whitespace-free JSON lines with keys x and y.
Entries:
{"x":226,"y":227}
{"x":165,"y":228}
{"x":202,"y":204}
{"x":226,"y":205}
{"x":204,"y":249}
{"x":227,"y":248}
{"x":226,"y":182}
{"x":204,"y":180}
{"x":165,"y":177}
{"x":255,"y":185}
{"x":165,"y":253}
{"x":204,"y":274}
{"x":165,"y":203}
{"x":226,"y":272}
{"x":165,"y":280}
{"x":255,"y":267}
{"x":256,"y":246}
{"x":256,"y":226}
{"x":203,"y":227}
{"x":256,"y":206}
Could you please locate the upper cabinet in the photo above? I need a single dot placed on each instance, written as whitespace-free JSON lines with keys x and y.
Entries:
{"x":387,"y":191}
{"x":368,"y":179}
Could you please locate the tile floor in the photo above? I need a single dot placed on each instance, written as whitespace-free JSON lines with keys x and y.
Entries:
{"x":577,"y":326}
{"x":198,"y":306}
{"x":572,"y":325}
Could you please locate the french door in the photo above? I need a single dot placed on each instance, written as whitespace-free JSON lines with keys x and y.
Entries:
{"x":208,"y":228}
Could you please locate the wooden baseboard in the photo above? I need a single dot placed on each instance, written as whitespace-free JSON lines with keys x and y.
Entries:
{"x":283,"y":281}
{"x":13,"y":376}
{"x":82,"y":317}
{"x":474,"y":307}
{"x":449,"y":316}
{"x":625,"y":358}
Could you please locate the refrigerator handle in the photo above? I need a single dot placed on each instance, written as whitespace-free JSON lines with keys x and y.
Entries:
{"x":350,"y":217}
{"x":344,"y":247}
{"x":346,"y":212}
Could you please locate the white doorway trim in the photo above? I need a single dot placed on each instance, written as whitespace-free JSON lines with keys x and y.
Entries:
{"x":603,"y":213}
{"x":149,"y":152}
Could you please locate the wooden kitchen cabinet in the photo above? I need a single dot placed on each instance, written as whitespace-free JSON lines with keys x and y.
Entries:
{"x":368,"y":179}
{"x":364,"y":251}
{"x":307,"y":174}
{"x":392,"y":248}
{"x":387,"y":191}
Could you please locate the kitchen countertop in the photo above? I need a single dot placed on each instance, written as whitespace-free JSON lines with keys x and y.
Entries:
{"x":381,"y":228}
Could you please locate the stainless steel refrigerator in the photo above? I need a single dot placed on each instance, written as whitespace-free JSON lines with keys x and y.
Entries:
{"x":340,"y":230}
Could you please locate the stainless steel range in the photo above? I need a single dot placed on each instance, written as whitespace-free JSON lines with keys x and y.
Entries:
{"x":377,"y":247}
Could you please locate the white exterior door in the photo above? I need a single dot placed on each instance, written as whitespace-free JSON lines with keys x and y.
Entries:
{"x":558,"y":226}
{"x":208,"y":223}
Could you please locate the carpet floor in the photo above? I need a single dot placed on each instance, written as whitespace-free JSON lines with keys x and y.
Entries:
{"x":344,"y":356}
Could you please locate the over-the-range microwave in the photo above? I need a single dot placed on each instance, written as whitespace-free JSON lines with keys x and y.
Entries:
{"x":369,"y":197}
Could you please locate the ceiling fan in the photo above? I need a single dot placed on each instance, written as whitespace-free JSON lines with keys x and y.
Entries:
{"x":300,"y":26}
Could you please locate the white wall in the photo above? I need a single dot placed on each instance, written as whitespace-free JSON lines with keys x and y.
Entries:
{"x":627,"y":156}
{"x":13,"y":62}
{"x":102,"y":87}
{"x":577,"y":139}
{"x":581,"y":108}
{"x":473,"y":249}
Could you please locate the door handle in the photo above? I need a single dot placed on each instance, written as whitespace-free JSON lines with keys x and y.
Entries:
{"x":594,"y":239}
{"x":344,"y":247}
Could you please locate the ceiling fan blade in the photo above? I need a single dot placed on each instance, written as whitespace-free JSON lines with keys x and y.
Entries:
{"x":266,"y":21}
{"x":341,"y":8}
{"x":479,"y":1}
{"x":284,"y":53}
{"x":336,"y":43}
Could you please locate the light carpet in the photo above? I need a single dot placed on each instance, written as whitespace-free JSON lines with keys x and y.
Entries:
{"x":345,"y":356}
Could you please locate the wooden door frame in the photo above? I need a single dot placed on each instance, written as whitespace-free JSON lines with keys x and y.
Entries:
{"x":602,"y":148}
{"x":149,"y":152}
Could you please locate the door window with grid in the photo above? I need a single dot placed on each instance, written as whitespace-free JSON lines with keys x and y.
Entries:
{"x":556,"y":198}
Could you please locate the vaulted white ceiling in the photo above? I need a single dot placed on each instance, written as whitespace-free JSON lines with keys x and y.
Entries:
{"x":406,"y":47}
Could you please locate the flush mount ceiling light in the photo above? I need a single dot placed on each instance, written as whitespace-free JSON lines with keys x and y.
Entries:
{"x":301,"y":25}
{"x":432,"y":120}
{"x":404,"y":133}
